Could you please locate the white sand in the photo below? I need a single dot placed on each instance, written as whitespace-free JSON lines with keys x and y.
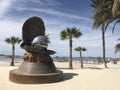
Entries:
{"x":92,"y":77}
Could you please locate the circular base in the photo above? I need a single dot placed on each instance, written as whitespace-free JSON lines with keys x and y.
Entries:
{"x":16,"y":77}
{"x":37,"y":68}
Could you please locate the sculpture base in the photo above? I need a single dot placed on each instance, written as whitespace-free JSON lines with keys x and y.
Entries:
{"x":30,"y":73}
{"x":34,"y":78}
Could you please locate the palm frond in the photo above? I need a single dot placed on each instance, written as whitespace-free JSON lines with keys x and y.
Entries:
{"x":117,"y":48}
{"x":80,"y":48}
{"x":7,"y":40}
{"x":102,"y":13}
{"x":115,"y":25}
{"x":63,"y":35}
{"x":13,"y":40}
{"x":116,"y":7}
{"x":69,"y":33}
{"x":84,"y":49}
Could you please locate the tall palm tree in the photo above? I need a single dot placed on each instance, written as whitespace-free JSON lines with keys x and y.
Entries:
{"x":81,"y":49}
{"x":13,"y":40}
{"x":105,"y":12}
{"x":68,"y":34}
{"x":102,"y":17}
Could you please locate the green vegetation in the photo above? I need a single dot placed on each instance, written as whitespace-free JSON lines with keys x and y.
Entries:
{"x":13,"y":40}
{"x":105,"y":12}
{"x":81,"y":49}
{"x":69,"y":34}
{"x":117,"y":48}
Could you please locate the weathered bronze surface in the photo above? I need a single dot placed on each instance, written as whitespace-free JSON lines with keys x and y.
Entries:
{"x":38,"y":66}
{"x":35,"y":78}
{"x":32,"y":28}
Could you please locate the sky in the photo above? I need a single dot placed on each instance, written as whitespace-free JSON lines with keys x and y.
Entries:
{"x":57,"y":16}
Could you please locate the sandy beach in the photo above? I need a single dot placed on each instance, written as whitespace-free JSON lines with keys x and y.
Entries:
{"x":92,"y":77}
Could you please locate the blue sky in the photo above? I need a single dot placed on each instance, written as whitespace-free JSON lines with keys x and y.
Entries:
{"x":57,"y":15}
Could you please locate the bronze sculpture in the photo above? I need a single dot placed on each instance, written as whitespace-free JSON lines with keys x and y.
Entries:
{"x":37,"y":64}
{"x":32,"y":27}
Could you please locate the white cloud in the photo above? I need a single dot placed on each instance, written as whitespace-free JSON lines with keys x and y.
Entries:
{"x":42,"y":2}
{"x":52,"y":12}
{"x":9,"y":28}
{"x":4,"y":6}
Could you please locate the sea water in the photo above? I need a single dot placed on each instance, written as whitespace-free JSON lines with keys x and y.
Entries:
{"x":8,"y":59}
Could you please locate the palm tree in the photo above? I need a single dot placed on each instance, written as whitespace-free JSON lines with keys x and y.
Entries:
{"x":13,"y":40}
{"x":117,"y":48}
{"x":102,"y":17}
{"x":80,"y":49}
{"x":105,"y":12}
{"x":68,"y":34}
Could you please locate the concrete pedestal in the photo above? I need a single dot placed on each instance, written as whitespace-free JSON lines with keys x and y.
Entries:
{"x":36,"y":73}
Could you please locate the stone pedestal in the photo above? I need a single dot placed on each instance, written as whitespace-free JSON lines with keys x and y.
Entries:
{"x":35,"y":73}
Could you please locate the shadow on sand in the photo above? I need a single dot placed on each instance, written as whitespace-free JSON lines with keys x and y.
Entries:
{"x":93,"y":68}
{"x":62,"y":68}
{"x":68,"y":76}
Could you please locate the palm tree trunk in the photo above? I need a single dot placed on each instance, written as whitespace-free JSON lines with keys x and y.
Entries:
{"x":103,"y":44}
{"x":13,"y":55}
{"x":81,"y":59}
{"x":70,"y":64}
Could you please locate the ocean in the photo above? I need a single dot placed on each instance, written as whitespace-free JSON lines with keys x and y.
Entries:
{"x":20,"y":58}
{"x":6,"y":59}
